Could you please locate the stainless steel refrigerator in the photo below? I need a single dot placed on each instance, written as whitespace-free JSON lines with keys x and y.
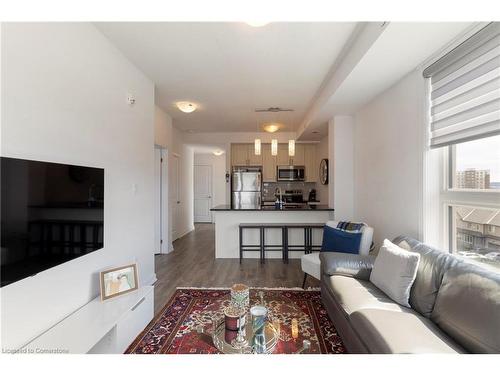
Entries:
{"x":246,"y":189}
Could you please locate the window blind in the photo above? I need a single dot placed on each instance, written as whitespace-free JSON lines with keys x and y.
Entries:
{"x":465,"y":90}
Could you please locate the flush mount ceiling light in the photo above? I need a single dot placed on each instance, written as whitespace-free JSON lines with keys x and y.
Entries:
{"x":272,"y":127}
{"x":186,"y":107}
{"x":218,"y":152}
{"x":257,"y":146}
{"x":257,"y":23}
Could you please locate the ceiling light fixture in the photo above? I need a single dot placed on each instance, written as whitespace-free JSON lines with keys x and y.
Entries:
{"x":271,"y":128}
{"x":218,"y":152}
{"x":257,"y":146}
{"x":274,"y":147}
{"x":257,"y":23}
{"x":291,"y":147}
{"x":186,"y":107}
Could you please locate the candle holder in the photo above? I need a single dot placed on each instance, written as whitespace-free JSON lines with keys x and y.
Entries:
{"x":295,"y":328}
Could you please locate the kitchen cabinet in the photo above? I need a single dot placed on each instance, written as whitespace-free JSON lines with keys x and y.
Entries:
{"x":283,"y":158}
{"x":298,"y":158}
{"x":244,"y":154}
{"x":310,"y":163}
{"x":252,"y":158}
{"x":268,"y":164}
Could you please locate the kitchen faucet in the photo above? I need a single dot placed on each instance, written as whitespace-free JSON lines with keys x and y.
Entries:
{"x":280,"y":201}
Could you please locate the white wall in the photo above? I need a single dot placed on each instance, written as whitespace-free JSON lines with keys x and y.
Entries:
{"x":219,"y":184}
{"x":64,"y":90}
{"x":164,"y":139}
{"x":341,"y":167}
{"x":388,"y":160}
{"x":322,"y":153}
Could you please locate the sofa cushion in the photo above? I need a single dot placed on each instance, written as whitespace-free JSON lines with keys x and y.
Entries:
{"x":394,"y":271}
{"x":432,"y":266}
{"x":354,"y":294}
{"x":392,"y":331}
{"x":340,"y":241}
{"x":353,"y":265}
{"x":467,"y":307}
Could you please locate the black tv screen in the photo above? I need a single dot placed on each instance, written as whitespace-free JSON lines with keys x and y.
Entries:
{"x":50,"y":213}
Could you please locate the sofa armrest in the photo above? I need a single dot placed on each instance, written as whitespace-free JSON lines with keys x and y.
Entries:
{"x":353,"y":265}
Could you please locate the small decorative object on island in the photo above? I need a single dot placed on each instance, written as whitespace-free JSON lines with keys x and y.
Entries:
{"x":240,"y":295}
{"x":118,"y":281}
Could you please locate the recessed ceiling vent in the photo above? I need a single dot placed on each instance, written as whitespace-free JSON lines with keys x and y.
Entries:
{"x":274,"y":109}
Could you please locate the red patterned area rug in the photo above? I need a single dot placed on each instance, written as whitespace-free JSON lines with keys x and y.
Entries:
{"x":175,"y":330}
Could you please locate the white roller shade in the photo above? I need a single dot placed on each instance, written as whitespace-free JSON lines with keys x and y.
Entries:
{"x":465,"y":90}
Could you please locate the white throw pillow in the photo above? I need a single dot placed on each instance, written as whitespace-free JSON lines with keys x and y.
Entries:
{"x":394,"y":272}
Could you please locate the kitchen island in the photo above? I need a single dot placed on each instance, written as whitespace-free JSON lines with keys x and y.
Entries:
{"x":228,"y":220}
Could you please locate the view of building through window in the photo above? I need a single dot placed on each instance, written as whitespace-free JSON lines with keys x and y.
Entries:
{"x":477,"y":164}
{"x":478,"y":234}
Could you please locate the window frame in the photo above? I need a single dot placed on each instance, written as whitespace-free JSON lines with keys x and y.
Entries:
{"x":451,"y":197}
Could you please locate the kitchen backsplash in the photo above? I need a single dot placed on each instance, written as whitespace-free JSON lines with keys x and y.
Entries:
{"x":269,"y":188}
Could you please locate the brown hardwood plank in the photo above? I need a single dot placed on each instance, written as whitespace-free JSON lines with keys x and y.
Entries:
{"x":193,"y":264}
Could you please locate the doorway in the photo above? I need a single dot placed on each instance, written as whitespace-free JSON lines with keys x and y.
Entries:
{"x":161,"y":201}
{"x":202,"y":181}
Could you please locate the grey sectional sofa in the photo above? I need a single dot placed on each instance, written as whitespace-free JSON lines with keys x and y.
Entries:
{"x":455,"y":305}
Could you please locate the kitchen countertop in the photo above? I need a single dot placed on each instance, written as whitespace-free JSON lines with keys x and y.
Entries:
{"x":318,"y":207}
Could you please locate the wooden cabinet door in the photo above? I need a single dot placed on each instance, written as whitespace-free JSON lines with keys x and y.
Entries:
{"x":298,"y":158}
{"x":310,"y":163}
{"x":283,"y":158}
{"x":268,"y":164}
{"x":254,"y":160}
{"x":239,"y":154}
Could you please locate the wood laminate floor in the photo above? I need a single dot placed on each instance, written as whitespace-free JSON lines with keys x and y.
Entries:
{"x":193,"y":264}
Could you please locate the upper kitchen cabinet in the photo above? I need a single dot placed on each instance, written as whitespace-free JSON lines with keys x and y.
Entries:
{"x":298,"y":158}
{"x":252,"y":158}
{"x":244,"y":154}
{"x":239,"y":154}
{"x":268,"y":164}
{"x":310,"y":163}
{"x":283,"y":158}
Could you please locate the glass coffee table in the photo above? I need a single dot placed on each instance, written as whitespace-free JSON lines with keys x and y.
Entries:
{"x":285,"y":331}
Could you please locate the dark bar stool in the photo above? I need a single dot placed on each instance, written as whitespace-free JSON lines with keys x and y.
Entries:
{"x":255,"y":248}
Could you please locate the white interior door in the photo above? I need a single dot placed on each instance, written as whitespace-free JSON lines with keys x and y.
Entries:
{"x":202,"y":193}
{"x":175,"y":200}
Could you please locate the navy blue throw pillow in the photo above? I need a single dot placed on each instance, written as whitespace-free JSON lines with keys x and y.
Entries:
{"x":340,"y":241}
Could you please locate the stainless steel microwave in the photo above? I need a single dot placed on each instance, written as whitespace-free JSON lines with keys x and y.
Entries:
{"x":290,"y":173}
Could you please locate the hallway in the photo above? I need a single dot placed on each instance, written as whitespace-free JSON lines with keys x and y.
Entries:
{"x":193,"y":264}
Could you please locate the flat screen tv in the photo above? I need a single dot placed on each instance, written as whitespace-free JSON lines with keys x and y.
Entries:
{"x":50,"y":214}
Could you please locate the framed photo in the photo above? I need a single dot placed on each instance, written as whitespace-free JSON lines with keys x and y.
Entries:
{"x":118,"y":281}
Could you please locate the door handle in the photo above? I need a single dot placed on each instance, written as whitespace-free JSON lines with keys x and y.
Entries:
{"x":178,"y":202}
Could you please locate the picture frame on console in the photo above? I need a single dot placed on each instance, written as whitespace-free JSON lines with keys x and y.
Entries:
{"x":118,"y":281}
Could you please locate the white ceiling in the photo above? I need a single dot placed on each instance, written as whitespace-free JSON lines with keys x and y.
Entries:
{"x":229,"y":69}
{"x":396,"y":52}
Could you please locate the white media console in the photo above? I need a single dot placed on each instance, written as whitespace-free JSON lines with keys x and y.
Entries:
{"x":99,"y":327}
